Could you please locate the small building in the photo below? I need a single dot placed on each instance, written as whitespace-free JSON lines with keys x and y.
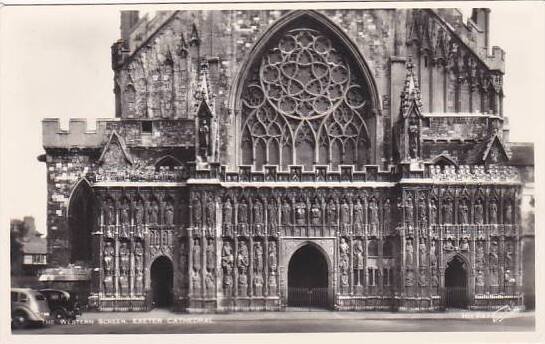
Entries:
{"x":28,"y":248}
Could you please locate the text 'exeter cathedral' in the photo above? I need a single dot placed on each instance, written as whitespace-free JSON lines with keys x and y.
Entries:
{"x":347,"y":159}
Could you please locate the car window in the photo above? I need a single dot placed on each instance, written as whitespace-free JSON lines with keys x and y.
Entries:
{"x":13,"y":296}
{"x":54,"y":297}
{"x":23,"y":297}
{"x":39,"y":297}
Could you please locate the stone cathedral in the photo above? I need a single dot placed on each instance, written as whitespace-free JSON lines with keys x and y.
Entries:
{"x":265,"y":159}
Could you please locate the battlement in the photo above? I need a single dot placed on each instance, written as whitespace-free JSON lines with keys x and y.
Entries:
{"x":135,"y":132}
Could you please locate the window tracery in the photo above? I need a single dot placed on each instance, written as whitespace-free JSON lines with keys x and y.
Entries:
{"x":303,"y":104}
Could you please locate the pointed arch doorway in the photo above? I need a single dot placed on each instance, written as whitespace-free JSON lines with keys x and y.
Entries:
{"x":161,"y":282}
{"x":456,"y":283}
{"x":308,"y":278}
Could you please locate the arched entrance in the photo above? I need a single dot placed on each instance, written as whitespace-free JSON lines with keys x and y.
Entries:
{"x":307,"y":278}
{"x":161,"y":282}
{"x":456,"y":283}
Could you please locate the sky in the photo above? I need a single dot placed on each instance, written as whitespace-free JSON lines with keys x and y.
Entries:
{"x":55,"y":62}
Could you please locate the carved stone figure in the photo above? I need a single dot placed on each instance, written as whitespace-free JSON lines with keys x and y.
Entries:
{"x":433,"y":212}
{"x":227,"y":257}
{"x":422,"y":215}
{"x":345,"y":212}
{"x":258,"y":261}
{"x":508,"y":213}
{"x":373,"y":210}
{"x":123,"y":284}
{"x":139,"y":283}
{"x":479,"y":279}
{"x":448,"y":245}
{"x":210,"y":212}
{"x":422,"y":280}
{"x":108,"y":285}
{"x":316,"y":214}
{"x":409,"y":211}
{"x":242,"y":257}
{"x":154,"y":216}
{"x":196,"y":282}
{"x":433,"y":256}
{"x":196,"y":255}
{"x":409,"y":252}
{"x":465,"y":245}
{"x":413,"y":139}
{"x":358,"y":214}
{"x":493,"y":212}
{"x":209,"y":283}
{"x":434,"y":278}
{"x":479,"y":253}
{"x":124,"y":215}
{"x":169,"y":215}
{"x":509,"y":254}
{"x":243,"y":212}
{"x":286,"y":213}
{"x":258,"y":284}
{"x":210,"y":255}
{"x":272,"y":259}
{"x":258,"y":212}
{"x":272,"y":213}
{"x":409,"y":278}
{"x":387,"y":214}
{"x":243,"y":284}
{"x":108,"y":257}
{"x":139,"y":214}
{"x":332,"y":213}
{"x":138,"y":256}
{"x":227,"y":212}
{"x":204,"y":138}
{"x":358,"y":254}
{"x":272,"y":284}
{"x":197,"y":212}
{"x":447,"y":211}
{"x":479,"y":212}
{"x":463,"y":212}
{"x":109,"y":214}
{"x":422,"y":252}
{"x":300,"y":213}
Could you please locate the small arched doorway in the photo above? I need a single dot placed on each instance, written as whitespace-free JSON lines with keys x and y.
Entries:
{"x":161,"y":282}
{"x":456,"y":283}
{"x":307,"y":278}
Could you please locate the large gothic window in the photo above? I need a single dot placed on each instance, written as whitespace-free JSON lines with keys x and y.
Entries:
{"x":303,"y":103}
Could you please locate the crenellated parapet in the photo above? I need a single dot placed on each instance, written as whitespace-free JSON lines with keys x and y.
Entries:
{"x":147,"y":133}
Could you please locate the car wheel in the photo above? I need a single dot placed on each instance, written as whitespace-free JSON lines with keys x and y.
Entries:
{"x":58,"y":315}
{"x":19,"y":320}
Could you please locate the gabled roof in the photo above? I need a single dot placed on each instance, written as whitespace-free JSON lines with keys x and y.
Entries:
{"x":495,"y":142}
{"x":444,"y":159}
{"x":481,"y":151}
{"x":114,"y":137}
{"x":411,"y":101}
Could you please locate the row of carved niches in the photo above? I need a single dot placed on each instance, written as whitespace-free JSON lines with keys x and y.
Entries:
{"x":123,"y":268}
{"x":139,"y":173}
{"x":461,"y":206}
{"x":363,"y":265}
{"x":133,"y":213}
{"x":475,"y":173}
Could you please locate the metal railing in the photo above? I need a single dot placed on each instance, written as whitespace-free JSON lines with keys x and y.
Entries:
{"x":307,"y":297}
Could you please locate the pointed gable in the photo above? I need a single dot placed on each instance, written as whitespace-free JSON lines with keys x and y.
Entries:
{"x":495,"y":151}
{"x":411,"y":101}
{"x":115,"y":152}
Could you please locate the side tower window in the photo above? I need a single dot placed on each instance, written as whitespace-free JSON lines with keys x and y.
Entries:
{"x":305,"y":100}
{"x":81,"y":221}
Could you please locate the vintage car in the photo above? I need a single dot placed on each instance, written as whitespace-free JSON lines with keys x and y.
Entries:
{"x":63,"y":305}
{"x":28,"y":306}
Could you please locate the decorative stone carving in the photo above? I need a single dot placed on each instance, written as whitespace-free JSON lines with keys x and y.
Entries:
{"x":125,"y":219}
{"x":373,"y":211}
{"x":358,"y":214}
{"x":463,"y":212}
{"x":433,"y":211}
{"x":345,"y":212}
{"x":272,"y":258}
{"x":409,"y":278}
{"x":493,"y":208}
{"x":210,"y":255}
{"x":479,"y":253}
{"x":332,"y":212}
{"x":300,"y":213}
{"x":258,"y":284}
{"x":409,"y":252}
{"x":197,"y":213}
{"x":154,"y":213}
{"x":258,"y":212}
{"x":227,"y":212}
{"x":227,"y":261}
{"x":196,"y":282}
{"x":210,"y":212}
{"x":272,"y":213}
{"x":422,"y":211}
{"x":358,"y":254}
{"x":449,"y":246}
{"x":109,"y":213}
{"x":243,"y":212}
{"x":169,"y":214}
{"x":447,"y":211}
{"x":196,"y":255}
{"x":433,"y":255}
{"x":258,"y":254}
{"x":209,"y":283}
{"x":422,"y":250}
{"x":479,"y":278}
{"x":509,"y":251}
{"x":242,"y":257}
{"x":434,"y":278}
{"x":138,"y":256}
{"x":108,"y":258}
{"x":508,"y":213}
{"x":422,"y":278}
{"x":139,"y":213}
{"x":243,"y":283}
{"x":316,"y":214}
{"x":139,"y":283}
{"x":464,"y":245}
{"x":286,"y":213}
{"x":479,"y":212}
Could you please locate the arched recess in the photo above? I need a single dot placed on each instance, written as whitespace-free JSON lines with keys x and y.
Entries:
{"x":305,"y":72}
{"x":82,"y":221}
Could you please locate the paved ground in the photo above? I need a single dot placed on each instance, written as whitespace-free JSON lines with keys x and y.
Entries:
{"x":161,"y":321}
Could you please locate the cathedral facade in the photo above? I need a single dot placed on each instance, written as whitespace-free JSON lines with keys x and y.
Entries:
{"x":347,"y":159}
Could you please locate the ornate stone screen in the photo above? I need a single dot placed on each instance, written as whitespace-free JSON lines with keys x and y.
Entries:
{"x":303,"y":103}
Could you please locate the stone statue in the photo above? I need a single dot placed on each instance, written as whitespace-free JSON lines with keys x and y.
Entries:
{"x":433,"y":212}
{"x":422,"y":210}
{"x":139,"y":283}
{"x":272,"y":283}
{"x":409,"y":211}
{"x":286,"y":213}
{"x":138,"y":256}
{"x":210,"y":212}
{"x":155,"y":213}
{"x":422,"y":280}
{"x":108,"y":255}
{"x":258,"y":284}
{"x":209,"y":283}
{"x":196,"y":281}
{"x":508,"y":213}
{"x":300,"y":213}
{"x":332,"y":213}
{"x":479,"y":212}
{"x":447,"y":212}
{"x":316,"y":214}
{"x":204,"y":138}
{"x":124,"y":216}
{"x":493,"y":212}
{"x":139,"y":214}
{"x":409,"y":252}
{"x":434,"y":278}
{"x":413,"y":139}
{"x":196,"y":256}
{"x":258,"y":212}
{"x":448,"y":245}
{"x":433,"y":256}
{"x":465,"y":245}
{"x":479,"y":253}
{"x":169,"y":215}
{"x":227,"y":283}
{"x":272,"y":256}
{"x":345,"y":212}
{"x":243,"y":283}
{"x":373,"y":209}
{"x":242,"y":257}
{"x":358,"y":214}
{"x":479,"y":279}
{"x":464,"y":212}
{"x":164,"y":237}
{"x":210,"y":255}
{"x":109,"y":217}
{"x":227,"y":212}
{"x":358,"y":253}
{"x":258,"y":252}
{"x":509,"y":255}
{"x":422,"y":252}
{"x":409,"y":278}
{"x":243,"y":212}
{"x":272,"y":213}
{"x":197,"y":212}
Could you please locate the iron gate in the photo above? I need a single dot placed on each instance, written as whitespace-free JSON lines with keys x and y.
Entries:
{"x":455,"y":297}
{"x":307,"y":297}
